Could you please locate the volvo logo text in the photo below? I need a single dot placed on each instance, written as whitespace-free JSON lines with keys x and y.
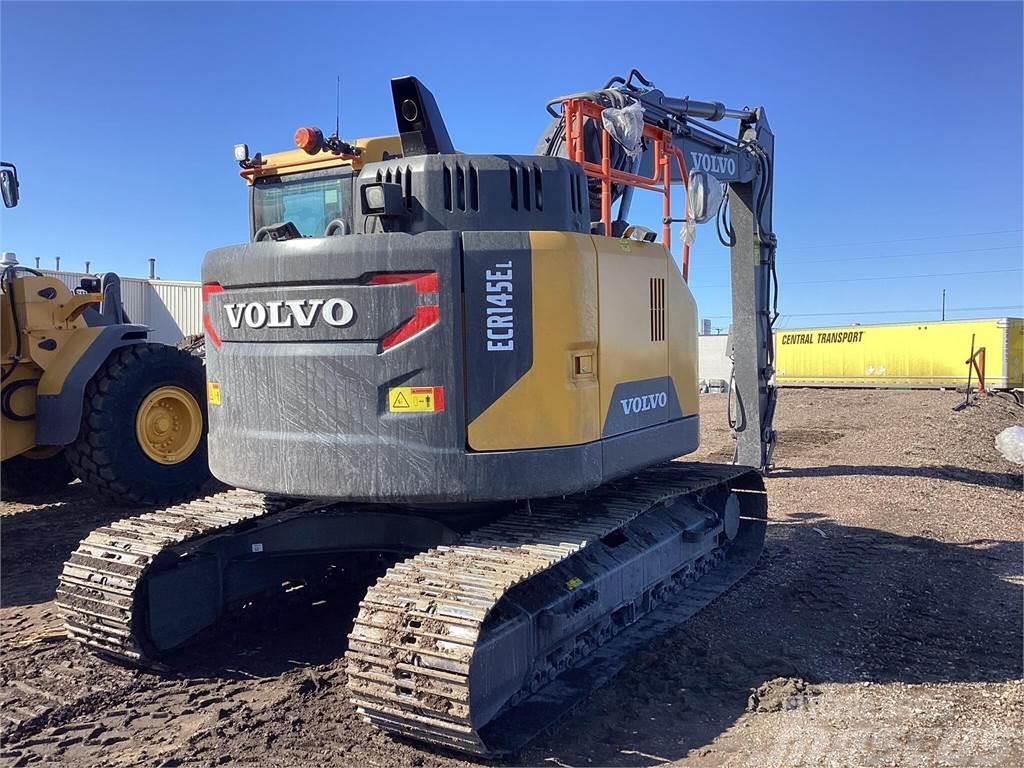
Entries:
{"x":644,"y":403}
{"x":302,"y":313}
{"x":701,"y":161}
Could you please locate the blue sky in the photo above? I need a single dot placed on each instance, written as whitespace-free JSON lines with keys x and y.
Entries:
{"x":899,"y":126}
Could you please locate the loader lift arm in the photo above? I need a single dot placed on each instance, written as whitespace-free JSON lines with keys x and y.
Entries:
{"x":676,"y":143}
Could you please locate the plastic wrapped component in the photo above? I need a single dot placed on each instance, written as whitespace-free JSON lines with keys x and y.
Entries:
{"x":626,"y":127}
{"x":704,"y":196}
{"x":1010,"y":443}
{"x":689,"y":231}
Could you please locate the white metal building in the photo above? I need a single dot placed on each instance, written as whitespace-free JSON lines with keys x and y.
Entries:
{"x":713,"y":358}
{"x":172,"y":309}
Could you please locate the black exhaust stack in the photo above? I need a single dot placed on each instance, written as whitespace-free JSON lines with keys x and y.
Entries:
{"x":419,"y":120}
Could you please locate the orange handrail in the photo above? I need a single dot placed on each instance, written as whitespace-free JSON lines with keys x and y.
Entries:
{"x":575,"y":112}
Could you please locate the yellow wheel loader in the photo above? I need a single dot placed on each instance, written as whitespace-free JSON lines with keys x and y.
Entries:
{"x":479,"y":366}
{"x":84,"y":394}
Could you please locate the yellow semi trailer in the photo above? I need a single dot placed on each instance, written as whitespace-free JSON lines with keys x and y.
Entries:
{"x":903,"y":355}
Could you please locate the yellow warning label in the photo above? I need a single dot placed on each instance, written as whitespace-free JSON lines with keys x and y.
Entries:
{"x":416,"y":399}
{"x":213,"y":393}
{"x":573,"y":583}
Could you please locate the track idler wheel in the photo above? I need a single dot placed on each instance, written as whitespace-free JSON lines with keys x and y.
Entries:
{"x":731,"y":516}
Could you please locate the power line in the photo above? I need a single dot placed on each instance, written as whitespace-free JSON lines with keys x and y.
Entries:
{"x":785,"y":262}
{"x":922,"y":315}
{"x":903,"y":277}
{"x":883,"y":311}
{"x":884,"y":277}
{"x":905,"y":239}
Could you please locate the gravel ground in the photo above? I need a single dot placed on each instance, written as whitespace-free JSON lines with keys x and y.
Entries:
{"x":882,"y":626}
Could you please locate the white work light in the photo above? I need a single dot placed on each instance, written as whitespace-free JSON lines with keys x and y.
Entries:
{"x":375,"y":197}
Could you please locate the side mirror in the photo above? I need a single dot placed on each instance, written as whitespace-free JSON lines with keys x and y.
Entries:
{"x":704,"y":195}
{"x":9,"y":185}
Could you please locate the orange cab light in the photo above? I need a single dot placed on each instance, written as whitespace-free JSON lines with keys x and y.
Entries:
{"x":310,"y":140}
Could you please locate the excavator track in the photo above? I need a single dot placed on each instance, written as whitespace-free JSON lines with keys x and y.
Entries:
{"x":477,"y":643}
{"x":101,"y":581}
{"x":450,"y":647}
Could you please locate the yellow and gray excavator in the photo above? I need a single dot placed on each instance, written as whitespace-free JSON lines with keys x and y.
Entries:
{"x":479,"y":366}
{"x":84,"y":394}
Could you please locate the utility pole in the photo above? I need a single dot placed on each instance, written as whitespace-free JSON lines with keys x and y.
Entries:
{"x":943,"y":303}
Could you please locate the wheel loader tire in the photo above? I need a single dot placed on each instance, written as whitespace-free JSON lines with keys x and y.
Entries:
{"x":143,"y":435}
{"x":25,"y":475}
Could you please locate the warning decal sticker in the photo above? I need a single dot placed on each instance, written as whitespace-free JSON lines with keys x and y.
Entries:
{"x":213,"y":393}
{"x":416,"y":399}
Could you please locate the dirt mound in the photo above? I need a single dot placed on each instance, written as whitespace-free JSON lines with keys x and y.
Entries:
{"x":781,"y":693}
